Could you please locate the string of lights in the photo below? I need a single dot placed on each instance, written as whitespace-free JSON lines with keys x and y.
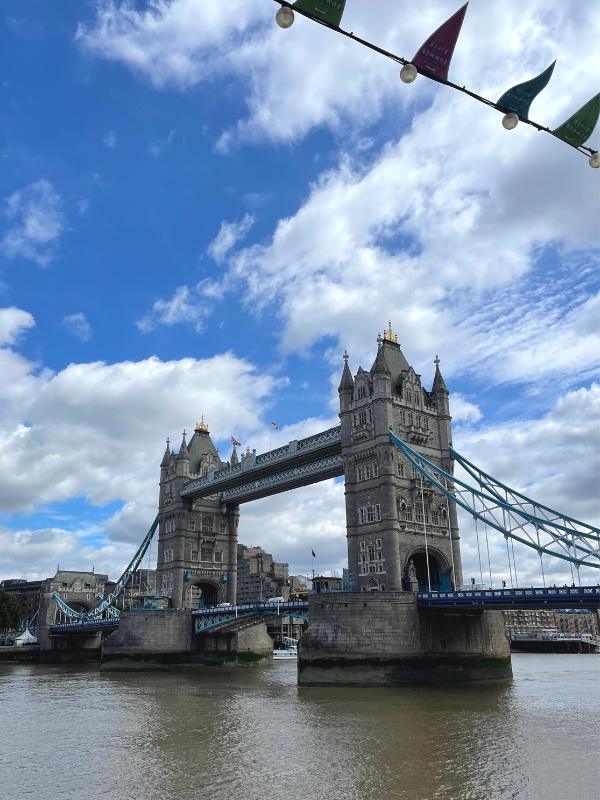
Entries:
{"x":514,"y":104}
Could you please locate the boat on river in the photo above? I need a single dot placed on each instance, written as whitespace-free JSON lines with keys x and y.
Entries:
{"x":288,"y":651}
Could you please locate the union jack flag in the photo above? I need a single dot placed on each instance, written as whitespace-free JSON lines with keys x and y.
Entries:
{"x":235,"y":442}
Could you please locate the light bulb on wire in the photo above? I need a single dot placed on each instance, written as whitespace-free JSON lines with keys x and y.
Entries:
{"x":510,"y":121}
{"x":408,"y":73}
{"x":284,"y":17}
{"x":594,"y":161}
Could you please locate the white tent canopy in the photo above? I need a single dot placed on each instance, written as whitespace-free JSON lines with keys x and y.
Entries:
{"x":25,"y":638}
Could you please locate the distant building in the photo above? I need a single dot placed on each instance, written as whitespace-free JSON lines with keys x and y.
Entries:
{"x":528,"y":620}
{"x":326,"y":583}
{"x":26,"y":593}
{"x":577,"y":622}
{"x":571,"y":621}
{"x":258,"y":576}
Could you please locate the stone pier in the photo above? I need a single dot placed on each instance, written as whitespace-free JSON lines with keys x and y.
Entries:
{"x":383,"y":639}
{"x":164,"y":639}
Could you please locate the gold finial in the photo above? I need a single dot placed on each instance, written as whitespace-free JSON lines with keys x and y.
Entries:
{"x":201,"y":427}
{"x":389,"y":335}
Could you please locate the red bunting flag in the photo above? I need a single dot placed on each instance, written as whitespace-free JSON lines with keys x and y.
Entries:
{"x":434,"y":56}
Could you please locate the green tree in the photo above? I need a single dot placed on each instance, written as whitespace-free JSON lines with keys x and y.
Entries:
{"x":10,"y":611}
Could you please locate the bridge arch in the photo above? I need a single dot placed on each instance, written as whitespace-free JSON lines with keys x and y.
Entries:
{"x":439,"y":569}
{"x":56,"y":616}
{"x":203,"y":592}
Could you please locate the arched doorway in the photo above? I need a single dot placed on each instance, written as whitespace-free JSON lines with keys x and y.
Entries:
{"x":202,"y":594}
{"x":438,"y":573}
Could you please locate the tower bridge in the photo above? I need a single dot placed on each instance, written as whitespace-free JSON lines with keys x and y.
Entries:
{"x":394,"y":449}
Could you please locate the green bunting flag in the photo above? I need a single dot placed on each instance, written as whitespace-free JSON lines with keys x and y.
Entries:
{"x":578,"y":128}
{"x":329,"y":11}
{"x":519,"y":98}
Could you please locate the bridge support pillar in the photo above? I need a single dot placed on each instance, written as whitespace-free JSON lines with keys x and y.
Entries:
{"x":383,"y":639}
{"x":233,"y":519}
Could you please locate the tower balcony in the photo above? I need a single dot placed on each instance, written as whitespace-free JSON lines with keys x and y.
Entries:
{"x":417,"y":435}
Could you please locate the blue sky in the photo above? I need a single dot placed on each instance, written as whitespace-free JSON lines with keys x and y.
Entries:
{"x":199,"y":212}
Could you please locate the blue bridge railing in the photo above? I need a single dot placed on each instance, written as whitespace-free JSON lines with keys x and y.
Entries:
{"x":219,"y":616}
{"x":555,"y":597}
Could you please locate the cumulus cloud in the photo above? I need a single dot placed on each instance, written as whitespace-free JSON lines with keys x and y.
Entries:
{"x":185,"y":306}
{"x":174,"y":43}
{"x":78,"y":326}
{"x":230,"y":233}
{"x":94,"y":426}
{"x":13,"y":323}
{"x":36,"y":222}
{"x":35,"y":554}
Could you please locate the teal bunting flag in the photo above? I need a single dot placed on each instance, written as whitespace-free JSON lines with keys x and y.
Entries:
{"x":520,"y":97}
{"x":578,"y":128}
{"x":329,"y":11}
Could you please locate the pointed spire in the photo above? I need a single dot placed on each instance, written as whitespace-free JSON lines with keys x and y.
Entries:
{"x":439,"y":385}
{"x":183,"y":451}
{"x":380,"y":365}
{"x":347,"y":382}
{"x":234,"y":460}
{"x":167,"y":456}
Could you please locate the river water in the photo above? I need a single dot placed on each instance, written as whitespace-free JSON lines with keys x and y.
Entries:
{"x":251,"y":733}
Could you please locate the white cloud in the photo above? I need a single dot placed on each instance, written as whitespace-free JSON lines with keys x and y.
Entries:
{"x":78,"y":326}
{"x":94,"y":426}
{"x":13,"y":323}
{"x":109,"y":140}
{"x":183,"y":307}
{"x":158,"y":147}
{"x":230,"y":233}
{"x":35,"y":223}
{"x":35,"y":554}
{"x":171,"y":43}
{"x":464,"y":410}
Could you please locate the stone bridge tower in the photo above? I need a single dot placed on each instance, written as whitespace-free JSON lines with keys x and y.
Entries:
{"x":400,"y":528}
{"x":197,"y":540}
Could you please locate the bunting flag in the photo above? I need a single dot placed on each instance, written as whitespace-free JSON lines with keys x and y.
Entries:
{"x":433,"y":57}
{"x":519,"y":98}
{"x":578,"y":128}
{"x":329,"y":11}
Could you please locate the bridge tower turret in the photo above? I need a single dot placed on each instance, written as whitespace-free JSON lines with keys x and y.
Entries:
{"x":397,"y":524}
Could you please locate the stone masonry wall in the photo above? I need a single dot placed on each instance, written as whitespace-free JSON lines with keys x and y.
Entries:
{"x":384,"y":639}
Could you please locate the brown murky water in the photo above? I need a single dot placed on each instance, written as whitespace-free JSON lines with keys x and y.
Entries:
{"x":252,"y":733}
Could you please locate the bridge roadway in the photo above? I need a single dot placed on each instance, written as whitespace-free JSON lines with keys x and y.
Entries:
{"x":298,"y":463}
{"x":479,"y":599}
{"x":506,"y":599}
